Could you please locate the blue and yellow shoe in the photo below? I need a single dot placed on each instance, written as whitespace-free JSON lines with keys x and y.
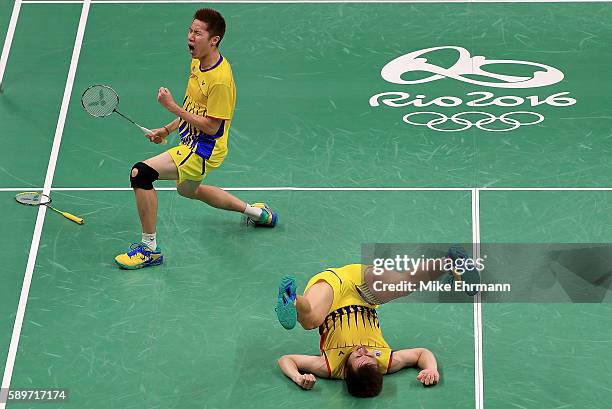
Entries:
{"x":139,"y":256}
{"x":469,"y":275}
{"x":285,"y":304}
{"x":268,"y":216}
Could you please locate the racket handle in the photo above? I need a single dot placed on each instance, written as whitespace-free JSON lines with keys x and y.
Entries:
{"x":145,"y":130}
{"x":72,"y":217}
{"x":148,"y":131}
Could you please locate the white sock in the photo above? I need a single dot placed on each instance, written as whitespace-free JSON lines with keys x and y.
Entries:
{"x":253,"y":212}
{"x":150,"y":240}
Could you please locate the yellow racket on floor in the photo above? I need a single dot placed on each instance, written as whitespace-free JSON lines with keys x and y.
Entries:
{"x":37,"y":199}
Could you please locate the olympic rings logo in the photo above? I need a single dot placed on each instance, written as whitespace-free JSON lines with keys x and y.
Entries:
{"x":481,"y":124}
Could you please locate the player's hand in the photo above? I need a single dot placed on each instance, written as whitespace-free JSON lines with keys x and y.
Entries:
{"x":428,"y":377}
{"x":164,"y":97}
{"x":157,"y":135}
{"x":306,"y":381}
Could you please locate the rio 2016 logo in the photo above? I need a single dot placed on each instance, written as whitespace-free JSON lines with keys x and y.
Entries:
{"x":543,"y":75}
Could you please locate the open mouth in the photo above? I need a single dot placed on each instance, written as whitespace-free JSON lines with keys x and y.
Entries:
{"x":191,"y":48}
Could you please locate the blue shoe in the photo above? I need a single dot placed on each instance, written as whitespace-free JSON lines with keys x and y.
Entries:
{"x":469,"y":276}
{"x":285,"y":304}
{"x":268,"y":217}
{"x":139,"y":256}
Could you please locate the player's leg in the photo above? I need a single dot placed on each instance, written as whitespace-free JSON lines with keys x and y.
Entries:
{"x":260,"y":213}
{"x":211,"y":195}
{"x":142,"y":176}
{"x":160,"y":167}
{"x":322,"y":291}
{"x":313,"y":306}
{"x":309,"y":309}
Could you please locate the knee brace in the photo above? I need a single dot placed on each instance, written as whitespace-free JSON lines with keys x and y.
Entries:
{"x":145,"y":176}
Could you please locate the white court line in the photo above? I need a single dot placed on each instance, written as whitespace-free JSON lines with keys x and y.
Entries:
{"x":544,"y":189}
{"x":54,"y":2}
{"x":20,"y":189}
{"x":268,"y":188}
{"x":364,"y":189}
{"x":10,"y":33}
{"x":478,"y":377}
{"x":331,"y":189}
{"x":294,"y":189}
{"x":305,"y":1}
{"x":40,"y":219}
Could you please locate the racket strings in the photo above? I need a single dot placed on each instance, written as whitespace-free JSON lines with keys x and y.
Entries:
{"x":99,"y":100}
{"x":33,"y":198}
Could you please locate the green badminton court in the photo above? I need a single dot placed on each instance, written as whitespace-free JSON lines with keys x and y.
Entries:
{"x":350,"y":145}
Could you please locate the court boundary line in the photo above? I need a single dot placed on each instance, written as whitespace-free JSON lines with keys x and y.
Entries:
{"x":40,"y":218}
{"x":478,"y":358}
{"x":8,"y":40}
{"x":308,"y":2}
{"x":330,"y":189}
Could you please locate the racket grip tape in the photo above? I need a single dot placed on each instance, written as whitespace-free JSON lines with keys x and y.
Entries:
{"x":72,"y":217}
{"x":148,"y":131}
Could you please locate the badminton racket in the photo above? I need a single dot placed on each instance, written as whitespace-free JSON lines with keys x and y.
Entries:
{"x":37,"y":199}
{"x":101,"y":100}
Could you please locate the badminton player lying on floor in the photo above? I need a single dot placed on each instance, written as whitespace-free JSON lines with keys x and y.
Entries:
{"x":342,"y":303}
{"x":203,"y":123}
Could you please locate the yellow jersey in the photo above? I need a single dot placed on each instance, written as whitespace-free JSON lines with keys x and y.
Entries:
{"x":346,"y":328}
{"x":350,"y":322}
{"x":210,"y":92}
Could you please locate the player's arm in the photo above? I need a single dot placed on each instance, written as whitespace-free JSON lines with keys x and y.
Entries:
{"x":206,"y":124}
{"x":172,"y":126}
{"x":421,"y":357}
{"x":302,"y":369}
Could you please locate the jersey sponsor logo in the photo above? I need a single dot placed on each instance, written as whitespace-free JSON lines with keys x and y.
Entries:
{"x":470,"y":70}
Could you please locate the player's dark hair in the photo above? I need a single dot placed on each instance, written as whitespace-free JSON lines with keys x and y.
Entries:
{"x":215,"y":23}
{"x":364,"y":382}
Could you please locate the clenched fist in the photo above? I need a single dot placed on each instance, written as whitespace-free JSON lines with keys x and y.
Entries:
{"x":306,"y":381}
{"x":164,"y":97}
{"x":428,"y":377}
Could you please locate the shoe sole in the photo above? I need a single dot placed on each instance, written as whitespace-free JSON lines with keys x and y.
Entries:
{"x":157,"y":262}
{"x":286,"y":313}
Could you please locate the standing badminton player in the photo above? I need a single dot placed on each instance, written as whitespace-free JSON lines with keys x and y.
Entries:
{"x":203,"y":123}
